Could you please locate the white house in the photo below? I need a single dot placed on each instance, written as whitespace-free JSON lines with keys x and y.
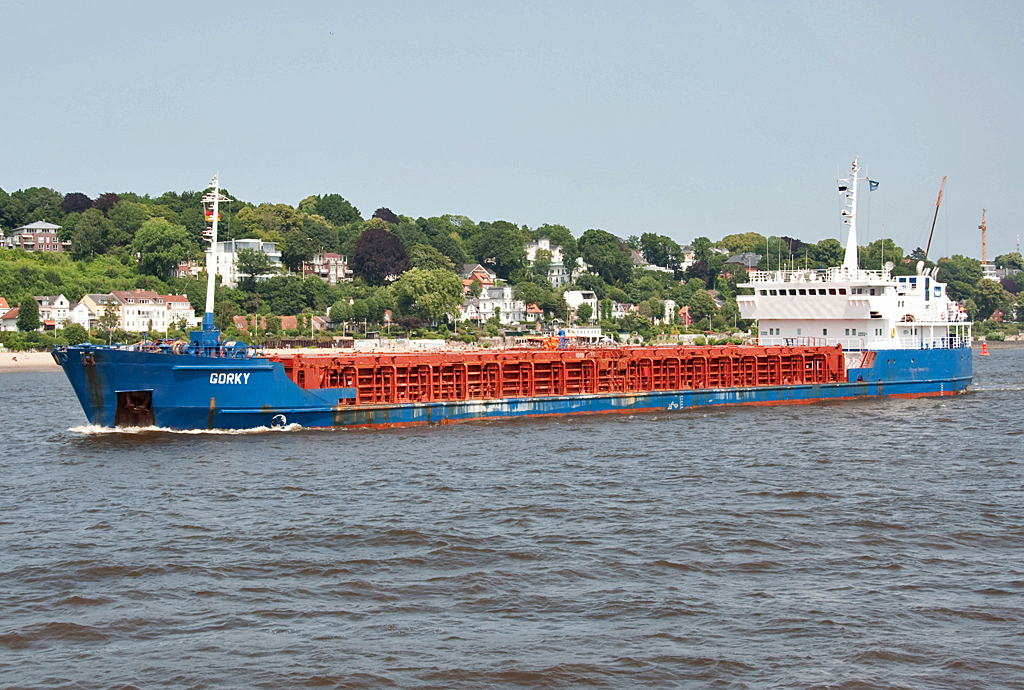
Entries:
{"x":227,"y":257}
{"x":141,"y":310}
{"x":180,"y":309}
{"x":53,"y":310}
{"x":492,"y":299}
{"x":574,"y":298}
{"x":80,"y":313}
{"x":543,"y":243}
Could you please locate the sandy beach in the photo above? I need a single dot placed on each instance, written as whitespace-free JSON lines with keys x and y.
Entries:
{"x":12,"y":362}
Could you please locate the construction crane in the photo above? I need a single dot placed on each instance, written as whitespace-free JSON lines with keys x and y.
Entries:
{"x":938,"y":202}
{"x":984,"y":239}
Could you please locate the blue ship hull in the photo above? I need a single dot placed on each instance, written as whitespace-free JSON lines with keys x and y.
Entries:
{"x":185,"y":391}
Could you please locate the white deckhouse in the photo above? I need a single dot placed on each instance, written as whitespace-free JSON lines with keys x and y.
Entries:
{"x":856,"y":308}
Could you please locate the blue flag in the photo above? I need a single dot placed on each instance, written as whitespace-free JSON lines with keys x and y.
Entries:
{"x":872,"y":185}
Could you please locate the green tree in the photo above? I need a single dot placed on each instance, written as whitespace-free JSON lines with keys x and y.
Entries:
{"x":427,"y":258}
{"x":75,"y":334}
{"x":542,"y":263}
{"x":961,"y":274}
{"x":252,"y":263}
{"x":1011,"y":260}
{"x":128,"y":217}
{"x":607,"y":255}
{"x":826,"y":253}
{"x":584,"y":312}
{"x":428,"y":294}
{"x":161,"y":246}
{"x":743,"y":242}
{"x":28,"y":316}
{"x":295,"y":249}
{"x":337,"y":210}
{"x":89,"y":237}
{"x":702,"y":305}
{"x":990,"y":296}
{"x":501,"y":247}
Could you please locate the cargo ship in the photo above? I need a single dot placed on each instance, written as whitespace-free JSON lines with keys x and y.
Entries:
{"x":834,"y":334}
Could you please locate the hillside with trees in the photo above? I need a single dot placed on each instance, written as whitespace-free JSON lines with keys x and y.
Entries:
{"x":408,"y":266}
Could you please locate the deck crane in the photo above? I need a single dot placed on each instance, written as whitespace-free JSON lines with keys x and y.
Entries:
{"x":938,"y":202}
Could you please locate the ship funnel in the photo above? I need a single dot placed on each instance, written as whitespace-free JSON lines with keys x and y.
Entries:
{"x":920,"y":267}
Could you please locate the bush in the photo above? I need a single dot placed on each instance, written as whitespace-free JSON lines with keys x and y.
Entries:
{"x":700,"y":340}
{"x":998,"y":336}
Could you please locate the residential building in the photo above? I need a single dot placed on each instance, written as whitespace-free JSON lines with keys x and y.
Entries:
{"x":4,"y":307}
{"x":287,"y":323}
{"x":495,"y":299}
{"x":9,"y":321}
{"x":188,"y":269}
{"x":640,"y":263}
{"x":476,"y":273}
{"x":574,"y":298}
{"x":36,"y":237}
{"x":53,"y":311}
{"x":140,"y":311}
{"x":747,"y":260}
{"x":227,"y":257}
{"x":180,"y":309}
{"x":543,"y":243}
{"x":330,"y":268}
{"x":80,"y":313}
{"x":97,"y":305}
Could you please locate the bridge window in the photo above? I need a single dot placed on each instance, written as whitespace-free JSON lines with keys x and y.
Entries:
{"x":831,"y":291}
{"x":824,"y":331}
{"x":773,"y":292}
{"x":764,"y":292}
{"x":792,"y":292}
{"x":842,"y":291}
{"x":802,"y":292}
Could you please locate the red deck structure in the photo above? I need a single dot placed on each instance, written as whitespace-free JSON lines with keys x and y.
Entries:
{"x":411,"y":377}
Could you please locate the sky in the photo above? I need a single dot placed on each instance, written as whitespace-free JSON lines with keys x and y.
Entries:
{"x":681,"y":119}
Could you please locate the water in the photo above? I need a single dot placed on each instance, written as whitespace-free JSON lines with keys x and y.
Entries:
{"x":873,"y":544}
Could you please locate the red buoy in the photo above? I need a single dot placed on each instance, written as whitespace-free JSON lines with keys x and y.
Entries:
{"x":984,"y":349}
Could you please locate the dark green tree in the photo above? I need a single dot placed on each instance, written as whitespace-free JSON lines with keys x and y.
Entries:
{"x":379,"y":256}
{"x":990,"y":296}
{"x":337,"y":210}
{"x":28,"y":315}
{"x":89,"y":237}
{"x":75,"y":334}
{"x":252,"y":263}
{"x":161,"y":246}
{"x":501,"y":247}
{"x":295,"y":249}
{"x":607,"y":255}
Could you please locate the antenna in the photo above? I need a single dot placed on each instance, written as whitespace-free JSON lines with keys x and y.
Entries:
{"x":938,"y":202}
{"x":984,"y":239}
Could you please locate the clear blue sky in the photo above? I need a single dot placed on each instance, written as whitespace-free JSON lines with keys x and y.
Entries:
{"x":684,"y":120}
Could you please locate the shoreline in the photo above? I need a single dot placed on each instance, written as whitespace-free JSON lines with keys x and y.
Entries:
{"x":33,"y":362}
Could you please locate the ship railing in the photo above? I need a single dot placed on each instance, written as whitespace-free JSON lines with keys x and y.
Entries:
{"x":828,"y":275}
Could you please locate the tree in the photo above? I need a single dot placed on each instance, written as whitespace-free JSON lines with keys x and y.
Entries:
{"x":428,"y":294}
{"x":826,"y":253}
{"x":386,"y":215}
{"x":501,"y":247}
{"x":660,"y":250}
{"x":529,"y":292}
{"x":337,"y":210}
{"x":1011,"y":260}
{"x":425,"y":257}
{"x":128,"y":217}
{"x":40,"y":203}
{"x":105,"y":202}
{"x":89,"y":237}
{"x":742,"y":242}
{"x":252,"y":263}
{"x":990,"y":296}
{"x":109,"y":320}
{"x":607,"y":255}
{"x":161,"y":246}
{"x":28,"y":316}
{"x":584,"y":312}
{"x":319,"y":231}
{"x":75,"y":202}
{"x":75,"y":333}
{"x":542,"y":263}
{"x":961,"y":274}
{"x":379,"y":256}
{"x":296,"y":248}
{"x":341,"y":311}
{"x":702,"y":305}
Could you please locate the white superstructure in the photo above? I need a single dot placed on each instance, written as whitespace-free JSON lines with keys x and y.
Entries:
{"x":858,"y":309}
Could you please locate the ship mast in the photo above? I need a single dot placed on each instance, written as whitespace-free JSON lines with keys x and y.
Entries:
{"x":850,"y":215}
{"x":212,"y":201}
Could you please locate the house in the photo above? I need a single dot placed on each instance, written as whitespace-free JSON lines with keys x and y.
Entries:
{"x":543,"y":243}
{"x":287,"y":323}
{"x":9,"y":321}
{"x":80,"y":313}
{"x":476,"y":273}
{"x":330,"y":268}
{"x":36,"y":237}
{"x":620,"y":309}
{"x":53,"y":310}
{"x":180,"y":309}
{"x":670,"y":312}
{"x":685,"y":318}
{"x":97,"y":305}
{"x":227,"y":258}
{"x":500,"y":300}
{"x":533,"y":313}
{"x":188,"y":269}
{"x":574,"y":298}
{"x":640,"y":263}
{"x":746,"y":260}
{"x":4,"y":307}
{"x":140,"y":311}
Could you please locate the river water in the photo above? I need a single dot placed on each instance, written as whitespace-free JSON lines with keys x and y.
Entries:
{"x":871,"y":544}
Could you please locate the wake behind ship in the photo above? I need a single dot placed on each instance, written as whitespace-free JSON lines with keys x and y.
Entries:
{"x":832,"y":334}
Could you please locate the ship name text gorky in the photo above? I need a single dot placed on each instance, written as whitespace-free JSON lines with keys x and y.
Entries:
{"x":229,"y":378}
